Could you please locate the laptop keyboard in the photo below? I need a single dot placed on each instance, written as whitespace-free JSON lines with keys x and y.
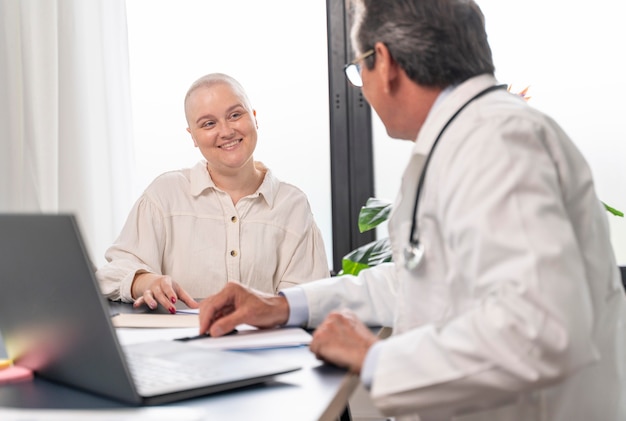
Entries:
{"x":149,"y":372}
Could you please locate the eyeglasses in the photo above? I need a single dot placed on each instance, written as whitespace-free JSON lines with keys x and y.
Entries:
{"x":353,"y":69}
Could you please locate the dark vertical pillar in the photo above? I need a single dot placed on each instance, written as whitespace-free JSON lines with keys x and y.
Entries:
{"x":352,"y":168}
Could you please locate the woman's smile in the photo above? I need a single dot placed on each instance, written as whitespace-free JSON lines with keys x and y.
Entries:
{"x":231,"y":144}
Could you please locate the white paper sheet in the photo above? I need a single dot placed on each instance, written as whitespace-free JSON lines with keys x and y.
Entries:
{"x":128,"y":336}
{"x":252,"y":338}
{"x":247,"y":337}
{"x":152,"y":320}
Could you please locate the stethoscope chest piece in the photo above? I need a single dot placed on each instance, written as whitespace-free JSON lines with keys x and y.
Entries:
{"x":413,"y":254}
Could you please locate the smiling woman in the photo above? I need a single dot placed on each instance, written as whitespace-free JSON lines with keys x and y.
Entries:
{"x":223,"y":126}
{"x":281,"y":62}
{"x":228,"y":218}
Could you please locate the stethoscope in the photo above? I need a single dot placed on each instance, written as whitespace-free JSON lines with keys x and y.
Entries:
{"x":414,"y":251}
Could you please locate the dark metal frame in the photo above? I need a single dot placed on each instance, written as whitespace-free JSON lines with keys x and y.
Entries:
{"x":352,"y":168}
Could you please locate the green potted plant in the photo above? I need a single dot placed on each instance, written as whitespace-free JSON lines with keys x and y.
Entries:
{"x":371,"y":215}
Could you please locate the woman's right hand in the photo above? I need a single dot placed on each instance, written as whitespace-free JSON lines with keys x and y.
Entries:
{"x":154,"y":290}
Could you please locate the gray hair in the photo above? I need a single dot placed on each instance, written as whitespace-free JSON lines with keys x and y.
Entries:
{"x":437,"y":42}
{"x":212,"y":79}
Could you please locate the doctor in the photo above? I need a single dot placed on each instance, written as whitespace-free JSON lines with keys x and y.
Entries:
{"x":504,"y":295}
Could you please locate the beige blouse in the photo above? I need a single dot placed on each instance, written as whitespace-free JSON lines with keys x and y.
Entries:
{"x":186,"y":227}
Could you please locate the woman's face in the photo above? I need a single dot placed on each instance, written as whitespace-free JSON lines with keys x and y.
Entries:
{"x":223,"y":126}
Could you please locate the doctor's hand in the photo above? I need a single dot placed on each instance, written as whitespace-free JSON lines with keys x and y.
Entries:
{"x":236,"y":304}
{"x":153,"y":290}
{"x":342,"y":339}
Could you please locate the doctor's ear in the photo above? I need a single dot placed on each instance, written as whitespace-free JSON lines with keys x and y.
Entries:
{"x":386,"y":66}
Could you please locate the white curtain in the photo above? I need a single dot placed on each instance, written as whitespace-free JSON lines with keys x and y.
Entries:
{"x":65,"y":114}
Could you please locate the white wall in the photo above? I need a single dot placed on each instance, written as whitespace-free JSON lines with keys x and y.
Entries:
{"x":573,"y":57}
{"x":277,"y":51}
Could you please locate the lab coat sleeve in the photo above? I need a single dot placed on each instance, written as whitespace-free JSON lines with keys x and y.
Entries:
{"x":527,"y":319}
{"x":371,"y":295}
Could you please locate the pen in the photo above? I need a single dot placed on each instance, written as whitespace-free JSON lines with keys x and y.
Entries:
{"x":204,"y":335}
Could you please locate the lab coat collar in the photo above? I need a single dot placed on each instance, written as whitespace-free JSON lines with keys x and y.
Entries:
{"x":446,"y":104}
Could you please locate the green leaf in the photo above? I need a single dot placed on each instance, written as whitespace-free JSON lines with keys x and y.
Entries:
{"x":368,"y":255}
{"x":351,"y":268}
{"x":613,"y":210}
{"x":374,"y":213}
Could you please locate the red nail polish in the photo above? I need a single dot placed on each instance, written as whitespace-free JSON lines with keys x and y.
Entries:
{"x":173,"y":310}
{"x":173,"y":300}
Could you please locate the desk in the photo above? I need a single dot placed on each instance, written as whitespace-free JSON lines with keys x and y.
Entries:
{"x":316,"y":392}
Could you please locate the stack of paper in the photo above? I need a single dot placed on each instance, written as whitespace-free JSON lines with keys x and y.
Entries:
{"x":155,"y":320}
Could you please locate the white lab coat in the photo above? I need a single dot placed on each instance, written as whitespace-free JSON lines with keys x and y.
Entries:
{"x":516,"y":311}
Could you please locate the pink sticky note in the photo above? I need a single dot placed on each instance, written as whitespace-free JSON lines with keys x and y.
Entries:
{"x":15,"y":374}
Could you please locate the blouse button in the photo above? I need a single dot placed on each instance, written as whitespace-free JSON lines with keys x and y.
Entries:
{"x":233,"y":219}
{"x":233,"y":253}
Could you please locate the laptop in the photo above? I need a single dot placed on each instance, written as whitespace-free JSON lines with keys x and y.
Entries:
{"x":55,"y":321}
